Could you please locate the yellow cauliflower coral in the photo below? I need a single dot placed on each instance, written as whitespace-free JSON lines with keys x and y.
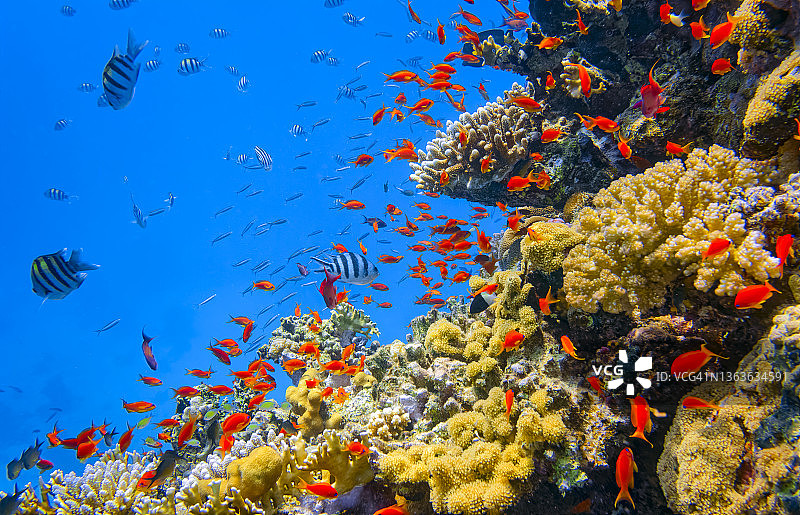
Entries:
{"x":550,"y":244}
{"x":647,"y":230}
{"x":445,"y":338}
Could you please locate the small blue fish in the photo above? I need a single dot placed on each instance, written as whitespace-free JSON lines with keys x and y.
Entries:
{"x":352,"y":20}
{"x":147,"y":350}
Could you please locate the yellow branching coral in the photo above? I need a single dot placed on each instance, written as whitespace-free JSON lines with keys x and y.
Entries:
{"x":551,"y":242}
{"x":483,"y":468}
{"x":511,"y":311}
{"x":768,"y":121}
{"x":307,"y":404}
{"x":445,"y":338}
{"x":647,"y":230}
{"x":342,"y":469}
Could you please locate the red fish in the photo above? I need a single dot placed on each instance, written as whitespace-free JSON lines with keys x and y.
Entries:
{"x":640,"y":418}
{"x":716,"y":247}
{"x":581,"y":27}
{"x":53,"y":438}
{"x":721,"y":66}
{"x":595,"y":383}
{"x":150,"y":381}
{"x":291,"y":365}
{"x":321,"y":489}
{"x":357,"y":448}
{"x":248,"y":330}
{"x":220,"y":354}
{"x":544,"y":304}
{"x":673,"y":149}
{"x":509,"y":403}
{"x":527,"y":103}
{"x":623,"y":146}
{"x":138,"y":406}
{"x":363,"y":160}
{"x":220,"y":389}
{"x":385,"y":258}
{"x":783,"y":249}
{"x":235,"y":423}
{"x":263,"y":285}
{"x":471,"y":18}
{"x":720,"y":33}
{"x":414,"y":15}
{"x":692,"y":361}
{"x":568,"y":347}
{"x":549,"y":81}
{"x":402,"y":76}
{"x":255,"y":401}
{"x":517,"y":183}
{"x":125,"y":440}
{"x":550,"y":135}
{"x":512,"y":340}
{"x":690,"y":402}
{"x":328,"y":289}
{"x":651,"y":97}
{"x":202,"y":374}
{"x":186,"y":431}
{"x":699,"y":29}
{"x":185,"y":392}
{"x":550,"y":43}
{"x":624,"y":475}
{"x":752,"y":297}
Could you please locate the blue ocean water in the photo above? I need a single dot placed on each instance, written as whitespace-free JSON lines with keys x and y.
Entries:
{"x":172,"y":138}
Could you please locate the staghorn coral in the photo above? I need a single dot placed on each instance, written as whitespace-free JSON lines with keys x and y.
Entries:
{"x":547,"y":253}
{"x":495,"y":130}
{"x":647,"y":230}
{"x":388,"y":423}
{"x":768,"y":121}
{"x":342,"y":469}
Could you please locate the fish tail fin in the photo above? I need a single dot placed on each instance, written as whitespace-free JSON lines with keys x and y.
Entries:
{"x":133,"y":49}
{"x":76,"y":263}
{"x":624,"y":494}
{"x":639,"y":433}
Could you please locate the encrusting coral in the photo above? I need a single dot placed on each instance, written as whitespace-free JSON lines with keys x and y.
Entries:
{"x":647,"y":230}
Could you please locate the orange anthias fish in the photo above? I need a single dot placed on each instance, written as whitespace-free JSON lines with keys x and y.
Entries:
{"x":357,"y":448}
{"x":699,"y":4}
{"x":402,"y":76}
{"x":471,"y":18}
{"x":551,"y":135}
{"x":234,"y":423}
{"x":513,"y":340}
{"x":138,"y":406}
{"x":385,"y":258}
{"x":440,"y":32}
{"x":400,"y":99}
{"x":378,"y":116}
{"x":352,"y":204}
{"x":186,"y":431}
{"x":549,"y":81}
{"x":509,"y":403}
{"x":414,"y":16}
{"x":517,"y":183}
{"x":581,"y":27}
{"x":527,"y":103}
{"x":150,"y":381}
{"x":624,"y":475}
{"x":720,"y":33}
{"x":699,"y":29}
{"x":263,"y":285}
{"x":125,"y":439}
{"x":673,"y":149}
{"x":202,"y":374}
{"x":651,"y":97}
{"x":783,"y":249}
{"x":721,"y":66}
{"x":692,"y":361}
{"x":363,"y":160}
{"x":716,"y":247}
{"x":544,"y":304}
{"x":422,"y":105}
{"x":550,"y":43}
{"x":185,"y":392}
{"x":752,"y":297}
{"x":291,"y":365}
{"x":484,"y":242}
{"x":623,"y":146}
{"x":514,"y":220}
{"x":242,"y":321}
{"x":220,"y":389}
{"x":640,"y":417}
{"x":322,"y":489}
{"x":595,"y":383}
{"x":568,"y":347}
{"x":486,"y":164}
{"x":690,"y":402}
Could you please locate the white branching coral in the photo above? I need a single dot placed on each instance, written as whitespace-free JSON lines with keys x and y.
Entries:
{"x":496,"y":130}
{"x":388,"y":422}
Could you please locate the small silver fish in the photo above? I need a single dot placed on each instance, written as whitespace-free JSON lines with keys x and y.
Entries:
{"x":221,"y":237}
{"x":107,"y":326}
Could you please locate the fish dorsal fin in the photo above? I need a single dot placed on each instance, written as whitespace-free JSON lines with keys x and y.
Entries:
{"x":133,"y":50}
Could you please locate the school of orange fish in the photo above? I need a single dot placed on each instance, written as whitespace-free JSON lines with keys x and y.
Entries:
{"x":452,"y":245}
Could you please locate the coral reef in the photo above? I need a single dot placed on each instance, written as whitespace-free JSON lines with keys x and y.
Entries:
{"x":308,"y":406}
{"x":388,"y":423}
{"x":769,"y":119}
{"x":647,"y":230}
{"x":553,"y":240}
{"x":497,"y":131}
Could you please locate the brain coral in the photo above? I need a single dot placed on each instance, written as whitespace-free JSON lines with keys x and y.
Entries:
{"x":647,"y":230}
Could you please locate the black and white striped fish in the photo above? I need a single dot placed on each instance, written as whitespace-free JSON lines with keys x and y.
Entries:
{"x":232,"y":70}
{"x":332,"y":61}
{"x":68,"y":11}
{"x":296,"y":131}
{"x":57,"y":194}
{"x":411,"y":36}
{"x":353,"y":268}
{"x":118,"y":5}
{"x":242,"y":159}
{"x":263,"y":157}
{"x":87,"y":87}
{"x":54,"y":276}
{"x":152,"y":65}
{"x":243,"y":85}
{"x":120,"y":74}
{"x":190,"y":66}
{"x":430,"y":36}
{"x":61,"y":124}
{"x":218,"y":33}
{"x":319,"y":56}
{"x":182,"y":48}
{"x":102,"y":101}
{"x":352,"y":20}
{"x":140,"y":219}
{"x":333,"y":3}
